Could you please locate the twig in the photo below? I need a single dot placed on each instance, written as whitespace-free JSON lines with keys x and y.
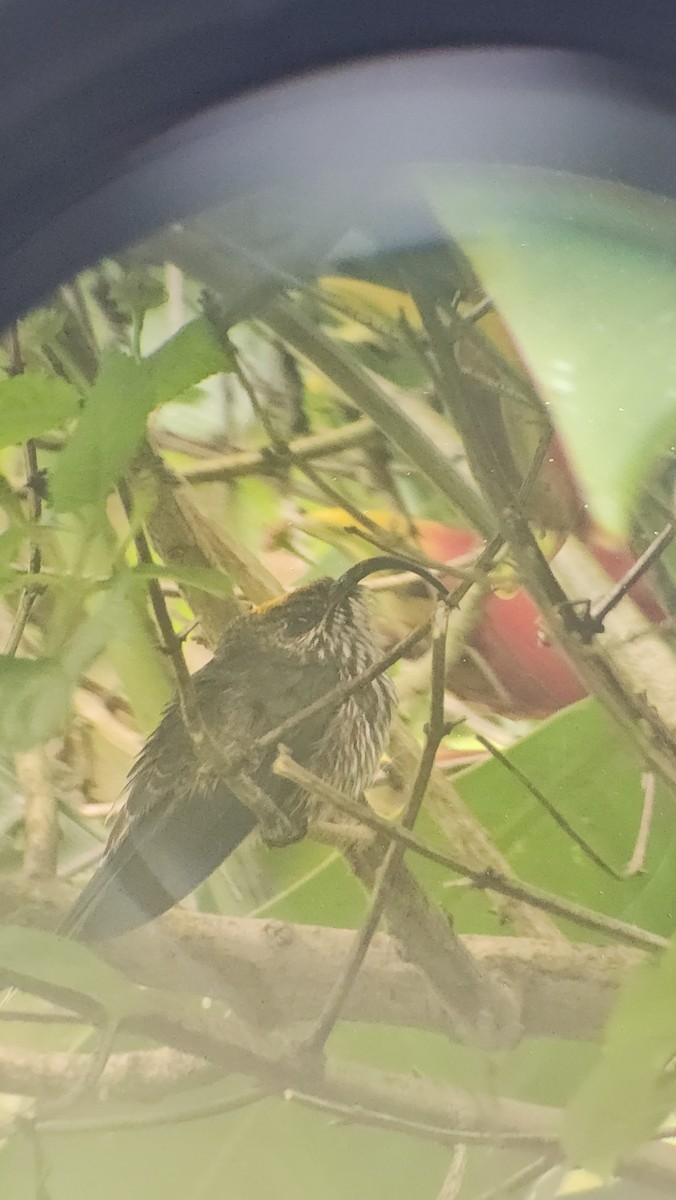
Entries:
{"x":598,"y":612}
{"x":197,"y":1110}
{"x":266,"y":462}
{"x":395,"y":853}
{"x":450,"y":1188}
{"x":637,"y":859}
{"x":630,"y":935}
{"x":93,"y":1067}
{"x":521,"y":1178}
{"x":190,"y":712}
{"x":554,"y":813}
{"x":446,"y":1135}
{"x":410,"y":423}
{"x":220,"y":329}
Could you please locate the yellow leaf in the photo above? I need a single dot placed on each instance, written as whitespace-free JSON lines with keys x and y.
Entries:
{"x":371,"y":302}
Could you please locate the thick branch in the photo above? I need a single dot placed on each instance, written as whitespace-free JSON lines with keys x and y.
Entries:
{"x":276,"y":972}
{"x":146,"y":1075}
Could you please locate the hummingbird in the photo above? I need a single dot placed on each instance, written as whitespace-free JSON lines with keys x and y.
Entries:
{"x":181,"y":818}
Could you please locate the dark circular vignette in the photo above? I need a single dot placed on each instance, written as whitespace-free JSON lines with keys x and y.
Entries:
{"x":85,"y":86}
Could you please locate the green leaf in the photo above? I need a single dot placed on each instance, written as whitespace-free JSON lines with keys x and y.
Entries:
{"x":191,"y":355}
{"x":60,"y":962}
{"x":584,"y":274}
{"x":33,"y":404}
{"x":207,"y":579}
{"x":33,"y":701}
{"x":633,"y":1087}
{"x":107,"y":435}
{"x":143,"y":668}
{"x":591,"y":773}
{"x":35,"y":693}
{"x":135,"y":291}
{"x":116,"y":410}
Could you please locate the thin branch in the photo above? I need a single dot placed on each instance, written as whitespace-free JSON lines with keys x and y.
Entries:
{"x":630,"y":935}
{"x":266,"y":462}
{"x":446,"y":1135}
{"x":521,"y":1178}
{"x":197,"y":1110}
{"x":559,"y":819}
{"x":636,"y":862}
{"x":598,"y":612}
{"x":395,"y":852}
{"x":171,"y":643}
{"x":142,"y":1075}
{"x":410,"y":423}
{"x":450,"y":1188}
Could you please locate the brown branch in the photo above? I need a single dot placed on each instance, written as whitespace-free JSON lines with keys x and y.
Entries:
{"x":171,"y":644}
{"x":266,"y":462}
{"x":393,"y":859}
{"x":621,"y":931}
{"x":274,"y":972}
{"x":428,"y":1109}
{"x":145,"y":1075}
{"x":598,"y":612}
{"x":182,"y":535}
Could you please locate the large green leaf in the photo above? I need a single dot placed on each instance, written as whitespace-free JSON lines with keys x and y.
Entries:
{"x":33,"y":701}
{"x":33,"y":404}
{"x":117,"y":407}
{"x":35,"y":694}
{"x":592,"y":775}
{"x":59,"y":962}
{"x":633,"y":1087}
{"x":584,"y":274}
{"x":191,"y":355}
{"x":307,"y":1156}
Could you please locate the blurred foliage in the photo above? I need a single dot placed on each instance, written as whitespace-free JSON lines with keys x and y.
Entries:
{"x":145,"y":351}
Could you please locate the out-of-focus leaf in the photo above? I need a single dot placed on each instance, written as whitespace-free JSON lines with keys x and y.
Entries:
{"x":107,"y":434}
{"x":371,"y":302}
{"x":584,"y":275}
{"x":633,"y":1088}
{"x":204,"y":578}
{"x":307,"y":1155}
{"x":33,"y":404}
{"x":134,"y":291}
{"x":35,"y":693}
{"x":117,"y":407}
{"x":142,"y":666}
{"x":63,"y":963}
{"x":33,"y":701}
{"x":191,"y":355}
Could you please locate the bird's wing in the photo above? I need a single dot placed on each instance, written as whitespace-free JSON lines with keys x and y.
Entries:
{"x":179,"y":823}
{"x":158,"y":858}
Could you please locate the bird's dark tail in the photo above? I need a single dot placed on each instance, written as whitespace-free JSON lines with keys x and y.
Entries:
{"x":159,"y":859}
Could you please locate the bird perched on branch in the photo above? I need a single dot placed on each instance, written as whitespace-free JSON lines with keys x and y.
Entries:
{"x":182,"y":817}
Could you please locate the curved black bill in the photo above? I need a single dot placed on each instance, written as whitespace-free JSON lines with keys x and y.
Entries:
{"x":382,"y":562}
